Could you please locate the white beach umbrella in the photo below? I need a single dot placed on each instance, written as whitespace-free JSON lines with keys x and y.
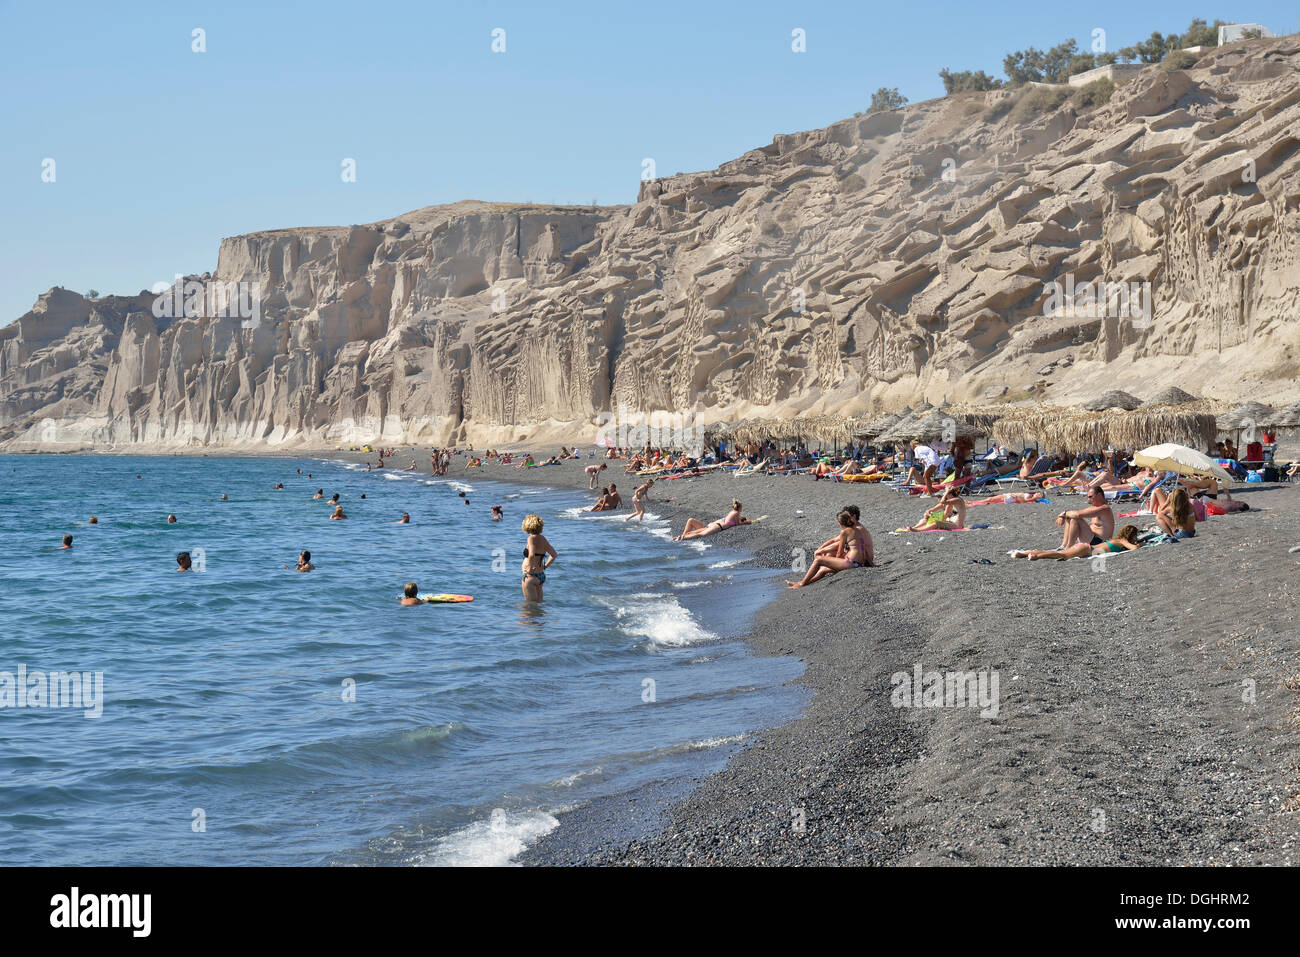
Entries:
{"x":1179,"y":458}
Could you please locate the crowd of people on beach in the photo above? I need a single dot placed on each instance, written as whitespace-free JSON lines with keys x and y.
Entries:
{"x":952,"y":477}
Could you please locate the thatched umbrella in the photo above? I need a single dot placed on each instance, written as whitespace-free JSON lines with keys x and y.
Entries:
{"x":1288,"y":418}
{"x":863,"y":429}
{"x":940,"y":424}
{"x":1170,"y":396}
{"x":1114,"y":399}
{"x":1248,"y":415}
{"x":1137,"y":429}
{"x":1034,"y":425}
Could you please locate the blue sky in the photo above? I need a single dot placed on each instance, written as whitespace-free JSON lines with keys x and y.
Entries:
{"x":160,"y":151}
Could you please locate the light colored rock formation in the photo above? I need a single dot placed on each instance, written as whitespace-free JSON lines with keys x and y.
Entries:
{"x":893,"y":258}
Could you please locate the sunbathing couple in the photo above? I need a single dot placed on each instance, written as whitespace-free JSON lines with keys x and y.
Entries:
{"x":852,"y":548}
{"x":1086,"y":531}
{"x":609,"y":499}
{"x":697,"y":529}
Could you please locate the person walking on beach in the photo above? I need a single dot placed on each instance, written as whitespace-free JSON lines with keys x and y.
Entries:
{"x":1094,"y":524}
{"x":640,"y":496}
{"x":593,"y":472}
{"x":539,"y":555}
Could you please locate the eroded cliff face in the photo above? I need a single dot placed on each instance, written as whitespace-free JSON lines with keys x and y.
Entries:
{"x":882,"y":260}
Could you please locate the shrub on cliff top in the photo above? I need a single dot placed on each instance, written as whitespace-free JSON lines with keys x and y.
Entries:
{"x":1094,"y":94}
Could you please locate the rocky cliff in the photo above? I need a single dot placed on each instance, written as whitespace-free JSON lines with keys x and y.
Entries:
{"x":885,"y":259}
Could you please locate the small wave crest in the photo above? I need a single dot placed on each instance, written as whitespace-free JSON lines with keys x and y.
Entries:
{"x":495,"y":842}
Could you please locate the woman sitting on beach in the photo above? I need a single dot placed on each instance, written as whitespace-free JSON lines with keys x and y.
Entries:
{"x":697,"y":529}
{"x":1125,"y":540}
{"x":1174,"y":513}
{"x":539,"y":555}
{"x":948,"y":513}
{"x":851,"y":546}
{"x":833,"y":547}
{"x":1010,"y":498}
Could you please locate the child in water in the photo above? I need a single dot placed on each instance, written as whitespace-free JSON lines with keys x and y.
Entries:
{"x":183,"y":562}
{"x":408,"y":595}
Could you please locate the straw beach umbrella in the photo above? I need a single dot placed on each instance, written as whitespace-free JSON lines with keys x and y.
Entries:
{"x":1114,"y":399}
{"x":1248,"y":415}
{"x":1170,"y":396}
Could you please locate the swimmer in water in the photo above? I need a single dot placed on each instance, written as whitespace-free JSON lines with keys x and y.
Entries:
{"x":67,"y":542}
{"x":404,"y":520}
{"x":408,"y":595}
{"x":497,"y":513}
{"x":320,"y":493}
{"x":225,"y":497}
{"x":183,"y":562}
{"x":304,"y":562}
{"x":334,"y":499}
{"x":337,"y":514}
{"x":279,"y":487}
{"x":171,"y":519}
{"x":94,"y":520}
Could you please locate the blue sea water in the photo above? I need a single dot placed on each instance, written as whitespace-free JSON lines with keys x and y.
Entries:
{"x":229,"y":733}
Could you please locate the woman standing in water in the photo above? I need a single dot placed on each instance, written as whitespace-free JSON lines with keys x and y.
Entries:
{"x":539,"y":555}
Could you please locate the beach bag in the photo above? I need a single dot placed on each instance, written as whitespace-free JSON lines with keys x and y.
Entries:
{"x":1255,"y":477}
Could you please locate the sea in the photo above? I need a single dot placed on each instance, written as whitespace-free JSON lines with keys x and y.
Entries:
{"x":247,"y":714}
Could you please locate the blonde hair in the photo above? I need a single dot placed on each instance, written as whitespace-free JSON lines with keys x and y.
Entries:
{"x":532,"y":524}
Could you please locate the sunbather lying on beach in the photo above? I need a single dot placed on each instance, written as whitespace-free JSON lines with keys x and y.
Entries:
{"x":1010,"y":498}
{"x":697,"y":529}
{"x":948,"y":513}
{"x":1126,"y":540}
{"x":1203,"y":486}
{"x":851,"y":546}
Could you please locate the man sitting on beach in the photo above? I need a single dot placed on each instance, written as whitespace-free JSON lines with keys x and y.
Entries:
{"x":614,"y":500}
{"x":1093,"y":525}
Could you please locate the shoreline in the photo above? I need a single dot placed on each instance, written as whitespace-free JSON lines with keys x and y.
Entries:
{"x":1124,"y":735}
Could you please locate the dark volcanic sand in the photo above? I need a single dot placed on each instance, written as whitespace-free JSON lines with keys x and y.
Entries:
{"x":1122,"y":735}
